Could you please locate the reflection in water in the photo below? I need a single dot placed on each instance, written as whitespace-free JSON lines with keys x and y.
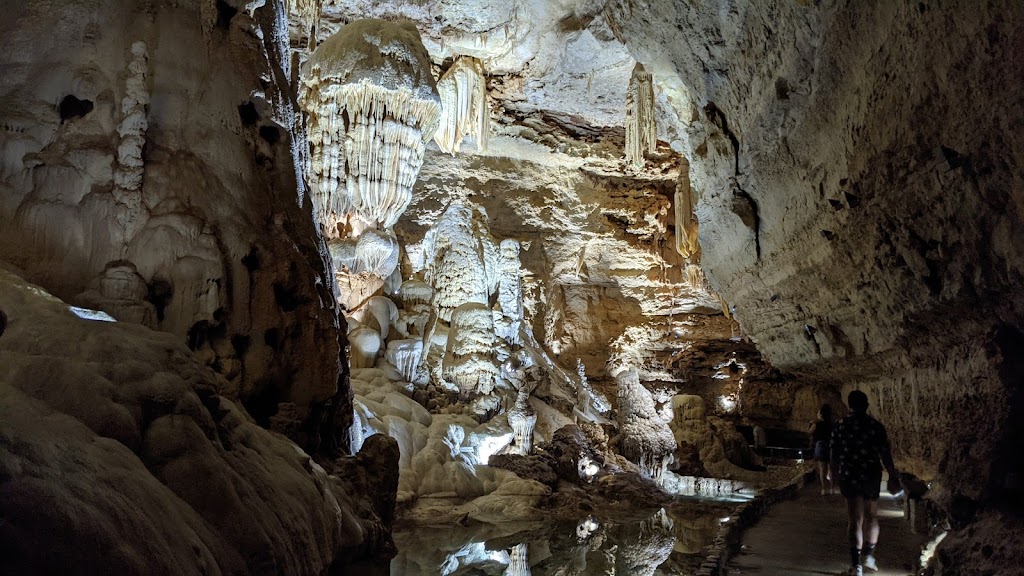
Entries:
{"x":671,"y":541}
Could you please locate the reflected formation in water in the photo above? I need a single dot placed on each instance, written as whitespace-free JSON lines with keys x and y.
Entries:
{"x":671,"y":541}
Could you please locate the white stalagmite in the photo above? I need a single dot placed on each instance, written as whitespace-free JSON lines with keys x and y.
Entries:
{"x":415,"y":297}
{"x":132,"y":130}
{"x":641,"y":130}
{"x":457,"y":251}
{"x":464,"y":112}
{"x":647,"y":440}
{"x":469,"y":360}
{"x":510,"y":292}
{"x":518,"y":561}
{"x":379,"y":313}
{"x":365,"y":344}
{"x":523,"y":419}
{"x":372,"y":105}
{"x":415,"y":292}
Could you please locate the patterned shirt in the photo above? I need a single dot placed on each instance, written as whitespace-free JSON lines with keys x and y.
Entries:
{"x":857,"y":442}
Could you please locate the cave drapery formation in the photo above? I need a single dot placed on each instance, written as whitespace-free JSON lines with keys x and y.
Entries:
{"x":276,"y":275}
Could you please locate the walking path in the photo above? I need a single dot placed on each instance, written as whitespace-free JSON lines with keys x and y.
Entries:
{"x":807,"y":536}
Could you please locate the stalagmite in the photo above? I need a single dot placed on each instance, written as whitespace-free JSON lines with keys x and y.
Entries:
{"x":379,"y":313}
{"x":518,"y":561}
{"x":414,"y":297}
{"x":522,"y":418}
{"x":641,"y":131}
{"x":132,"y":130}
{"x":415,"y":292}
{"x":464,"y":110}
{"x":510,"y":292}
{"x":468,"y":360}
{"x":647,"y":440}
{"x":371,"y":104}
{"x":365,"y":343}
{"x":456,"y":253}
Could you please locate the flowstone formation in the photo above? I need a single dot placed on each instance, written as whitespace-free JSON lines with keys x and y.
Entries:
{"x":118,"y":436}
{"x":464,"y":111}
{"x":149,"y":172}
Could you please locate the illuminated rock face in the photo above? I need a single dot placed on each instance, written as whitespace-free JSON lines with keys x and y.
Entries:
{"x":371,"y":106}
{"x":170,"y":166}
{"x":856,"y":215}
{"x":647,"y":440}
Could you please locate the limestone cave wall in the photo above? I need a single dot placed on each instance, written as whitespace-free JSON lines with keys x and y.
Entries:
{"x":150,"y":170}
{"x":861,"y":204}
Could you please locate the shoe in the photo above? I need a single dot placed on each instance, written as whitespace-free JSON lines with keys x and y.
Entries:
{"x":857,"y":570}
{"x":870,"y":564}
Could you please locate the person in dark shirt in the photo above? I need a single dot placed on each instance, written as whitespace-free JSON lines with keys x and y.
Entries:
{"x":821,"y":433}
{"x":860,"y":447}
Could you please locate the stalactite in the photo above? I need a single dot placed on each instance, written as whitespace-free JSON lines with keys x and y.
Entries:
{"x":695,"y":277}
{"x":308,"y":14}
{"x":687,"y":241}
{"x":641,"y":130}
{"x":371,"y":105}
{"x":464,"y":112}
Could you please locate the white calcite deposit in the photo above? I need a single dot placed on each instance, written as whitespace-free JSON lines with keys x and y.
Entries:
{"x":464,"y":110}
{"x":371,"y":105}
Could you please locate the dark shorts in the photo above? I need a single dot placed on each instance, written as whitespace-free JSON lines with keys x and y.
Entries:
{"x":821,"y":452}
{"x":868,"y":487}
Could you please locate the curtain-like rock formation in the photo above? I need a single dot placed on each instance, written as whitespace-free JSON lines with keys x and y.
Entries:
{"x":464,"y":110}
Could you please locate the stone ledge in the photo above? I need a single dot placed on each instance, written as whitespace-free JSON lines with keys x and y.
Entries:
{"x":744,"y":516}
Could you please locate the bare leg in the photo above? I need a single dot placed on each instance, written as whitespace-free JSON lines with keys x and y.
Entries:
{"x":822,"y":476}
{"x":871,"y":519}
{"x":855,"y":509}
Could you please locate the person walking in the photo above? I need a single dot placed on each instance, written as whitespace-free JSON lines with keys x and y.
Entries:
{"x":821,"y":434}
{"x":859,"y":442}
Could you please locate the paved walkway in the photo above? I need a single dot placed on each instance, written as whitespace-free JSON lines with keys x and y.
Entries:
{"x":807,"y":536}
